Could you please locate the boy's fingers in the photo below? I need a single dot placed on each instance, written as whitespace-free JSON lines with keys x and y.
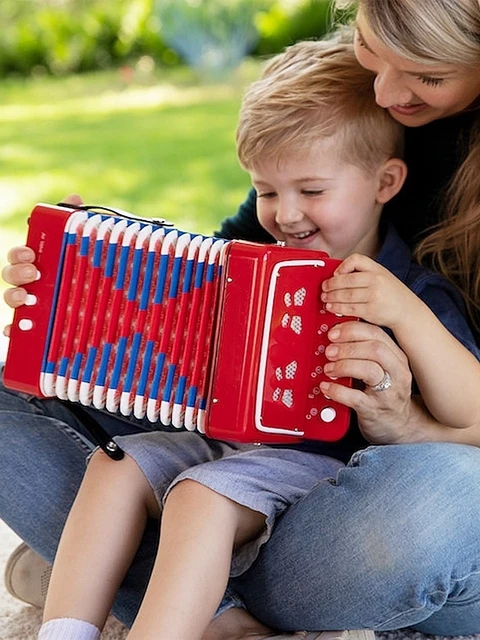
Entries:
{"x":18,"y":255}
{"x":19,"y":274}
{"x":15,"y":297}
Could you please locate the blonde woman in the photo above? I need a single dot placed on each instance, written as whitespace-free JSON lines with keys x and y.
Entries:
{"x":394,"y":542}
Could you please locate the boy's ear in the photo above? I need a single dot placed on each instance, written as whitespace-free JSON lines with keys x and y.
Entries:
{"x":391,"y":176}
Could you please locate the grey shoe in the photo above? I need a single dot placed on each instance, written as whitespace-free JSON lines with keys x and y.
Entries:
{"x":27,"y":576}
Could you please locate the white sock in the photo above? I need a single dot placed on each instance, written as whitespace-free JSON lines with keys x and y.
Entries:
{"x":68,"y":629}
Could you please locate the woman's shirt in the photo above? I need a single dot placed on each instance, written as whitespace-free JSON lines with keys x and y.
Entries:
{"x":433,"y":154}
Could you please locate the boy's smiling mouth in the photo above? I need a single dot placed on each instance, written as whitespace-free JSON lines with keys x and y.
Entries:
{"x":299,"y":235}
{"x":303,"y":234}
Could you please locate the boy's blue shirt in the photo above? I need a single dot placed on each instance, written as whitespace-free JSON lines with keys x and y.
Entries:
{"x":437,"y":292}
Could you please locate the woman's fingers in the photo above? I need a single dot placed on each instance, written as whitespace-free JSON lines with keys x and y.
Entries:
{"x":366,"y":352}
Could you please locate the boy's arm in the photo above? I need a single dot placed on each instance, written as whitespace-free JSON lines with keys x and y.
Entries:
{"x":447,"y":374}
{"x":423,"y":427}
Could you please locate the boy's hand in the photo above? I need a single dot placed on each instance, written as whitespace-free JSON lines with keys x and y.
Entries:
{"x":363,"y":288}
{"x":21,"y":270}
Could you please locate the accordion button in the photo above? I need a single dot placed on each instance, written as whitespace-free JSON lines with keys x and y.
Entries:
{"x":30,"y":300}
{"x":25,"y":324}
{"x":328,"y":414}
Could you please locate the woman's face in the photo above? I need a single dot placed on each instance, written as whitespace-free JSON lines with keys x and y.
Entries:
{"x":413,"y":93}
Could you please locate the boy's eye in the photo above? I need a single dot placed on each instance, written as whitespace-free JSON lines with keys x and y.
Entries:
{"x":312,"y":192}
{"x":431,"y":82}
{"x":268,"y":194}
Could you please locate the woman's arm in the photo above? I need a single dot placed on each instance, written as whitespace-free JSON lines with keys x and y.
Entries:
{"x":447,"y":374}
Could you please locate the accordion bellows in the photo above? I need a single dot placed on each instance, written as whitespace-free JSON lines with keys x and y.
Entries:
{"x":137,"y":318}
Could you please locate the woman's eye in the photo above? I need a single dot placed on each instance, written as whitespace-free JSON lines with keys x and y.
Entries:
{"x":312,"y":192}
{"x":431,"y":82}
{"x":360,"y":40}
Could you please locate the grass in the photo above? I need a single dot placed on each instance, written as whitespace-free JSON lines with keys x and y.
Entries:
{"x":158,"y":144}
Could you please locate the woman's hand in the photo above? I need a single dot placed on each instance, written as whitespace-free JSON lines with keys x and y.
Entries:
{"x":365,"y":352}
{"x":21,"y":270}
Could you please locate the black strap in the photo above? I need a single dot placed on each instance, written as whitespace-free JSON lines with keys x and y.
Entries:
{"x":118,"y":212}
{"x":98,"y":433}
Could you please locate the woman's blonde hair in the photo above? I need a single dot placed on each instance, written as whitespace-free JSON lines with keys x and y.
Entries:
{"x":313,"y":90}
{"x":425,"y":31}
{"x":441,"y":31}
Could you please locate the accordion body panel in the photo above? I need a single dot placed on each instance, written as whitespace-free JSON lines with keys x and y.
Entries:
{"x":223,"y":337}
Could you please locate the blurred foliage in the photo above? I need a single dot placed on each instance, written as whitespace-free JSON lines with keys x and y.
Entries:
{"x":287,"y":22}
{"x":65,"y":36}
{"x":59,"y":37}
{"x":212,"y":37}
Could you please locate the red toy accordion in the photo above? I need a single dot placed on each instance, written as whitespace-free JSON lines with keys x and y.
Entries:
{"x":223,"y":337}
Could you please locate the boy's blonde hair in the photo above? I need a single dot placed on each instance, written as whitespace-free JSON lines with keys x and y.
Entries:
{"x":313,"y":90}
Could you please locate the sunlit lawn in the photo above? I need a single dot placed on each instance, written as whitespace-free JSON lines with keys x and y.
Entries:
{"x":156,"y":146}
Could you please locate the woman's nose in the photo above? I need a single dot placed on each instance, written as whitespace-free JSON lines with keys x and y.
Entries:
{"x":390,"y":90}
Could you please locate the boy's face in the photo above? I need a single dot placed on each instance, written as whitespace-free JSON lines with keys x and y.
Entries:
{"x":315,"y":200}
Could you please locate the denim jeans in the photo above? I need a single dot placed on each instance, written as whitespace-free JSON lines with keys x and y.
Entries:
{"x":392,"y":542}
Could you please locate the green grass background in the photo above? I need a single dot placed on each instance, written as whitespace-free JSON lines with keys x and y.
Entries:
{"x":153,"y":144}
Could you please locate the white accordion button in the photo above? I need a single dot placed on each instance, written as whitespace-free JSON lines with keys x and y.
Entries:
{"x":25,"y":324}
{"x":328,"y":414}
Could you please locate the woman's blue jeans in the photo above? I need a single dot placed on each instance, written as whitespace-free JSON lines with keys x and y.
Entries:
{"x":392,"y":542}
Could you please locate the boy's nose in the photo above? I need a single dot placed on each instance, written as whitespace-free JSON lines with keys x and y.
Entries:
{"x":287,"y":215}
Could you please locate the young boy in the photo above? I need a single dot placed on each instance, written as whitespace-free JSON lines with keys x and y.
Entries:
{"x":323,"y":158}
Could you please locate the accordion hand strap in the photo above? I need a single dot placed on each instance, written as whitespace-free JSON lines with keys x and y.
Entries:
{"x":98,"y":433}
{"x":161,"y":222}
